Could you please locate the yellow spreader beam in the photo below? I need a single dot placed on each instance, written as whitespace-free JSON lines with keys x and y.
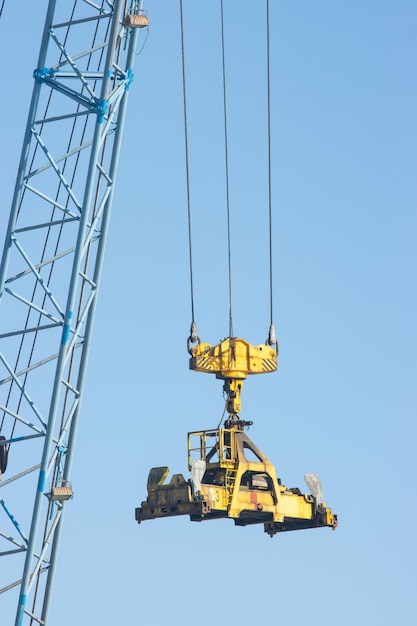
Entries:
{"x":229,"y":476}
{"x":232,"y":478}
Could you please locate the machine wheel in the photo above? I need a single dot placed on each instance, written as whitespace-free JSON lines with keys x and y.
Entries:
{"x":4,"y":453}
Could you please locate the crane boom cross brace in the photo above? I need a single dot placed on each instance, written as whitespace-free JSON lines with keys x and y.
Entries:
{"x":230,"y":476}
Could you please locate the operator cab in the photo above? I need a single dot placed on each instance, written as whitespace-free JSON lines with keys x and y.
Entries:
{"x":215,"y":476}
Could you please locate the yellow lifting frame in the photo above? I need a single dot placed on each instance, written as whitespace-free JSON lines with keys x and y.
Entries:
{"x":230,"y":476}
{"x":237,"y":482}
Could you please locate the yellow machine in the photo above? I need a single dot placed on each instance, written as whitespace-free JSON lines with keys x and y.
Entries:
{"x":230,"y":476}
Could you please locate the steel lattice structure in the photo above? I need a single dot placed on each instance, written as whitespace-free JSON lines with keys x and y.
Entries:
{"x":50,"y":275}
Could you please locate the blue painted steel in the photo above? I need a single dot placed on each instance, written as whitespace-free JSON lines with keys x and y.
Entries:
{"x":129,"y":79}
{"x":41,"y":74}
{"x":90,"y":323}
{"x":13,"y":520}
{"x":42,"y":481}
{"x":21,"y":609}
{"x":102,"y":108}
{"x":43,"y":366}
{"x":67,"y":328}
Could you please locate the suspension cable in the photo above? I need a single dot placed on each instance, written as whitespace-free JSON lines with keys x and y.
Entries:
{"x":193,"y":332}
{"x":226,"y":152}
{"x":272,"y":337}
{"x":193,"y":338}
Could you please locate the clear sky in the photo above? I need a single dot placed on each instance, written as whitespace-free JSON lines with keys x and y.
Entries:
{"x":343,"y":404}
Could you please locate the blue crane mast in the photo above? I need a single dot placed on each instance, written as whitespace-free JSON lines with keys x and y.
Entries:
{"x":50,"y":276}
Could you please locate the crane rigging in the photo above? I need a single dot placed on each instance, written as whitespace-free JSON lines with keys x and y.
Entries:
{"x":229,"y":476}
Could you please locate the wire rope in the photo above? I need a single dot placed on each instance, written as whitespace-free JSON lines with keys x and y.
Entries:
{"x":226,"y":154}
{"x":269,"y":158}
{"x":271,"y":338}
{"x":193,"y":333}
{"x":193,"y":338}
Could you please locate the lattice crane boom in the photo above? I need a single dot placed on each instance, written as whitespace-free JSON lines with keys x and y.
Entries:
{"x":50,"y":275}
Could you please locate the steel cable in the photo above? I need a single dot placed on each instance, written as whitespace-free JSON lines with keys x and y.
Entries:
{"x":226,"y":154}
{"x":193,"y":338}
{"x":272,"y":337}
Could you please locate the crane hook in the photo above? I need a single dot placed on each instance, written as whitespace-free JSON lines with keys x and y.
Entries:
{"x":193,"y":338}
{"x":272,"y":338}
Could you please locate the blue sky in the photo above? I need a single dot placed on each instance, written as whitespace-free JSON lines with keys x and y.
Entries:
{"x":343,"y":403}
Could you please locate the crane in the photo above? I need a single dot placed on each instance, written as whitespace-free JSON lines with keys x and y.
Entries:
{"x":50,"y":275}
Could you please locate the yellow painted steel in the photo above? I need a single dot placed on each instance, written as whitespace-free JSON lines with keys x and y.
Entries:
{"x":233,"y":358}
{"x":238,"y":482}
{"x":230,"y":476}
